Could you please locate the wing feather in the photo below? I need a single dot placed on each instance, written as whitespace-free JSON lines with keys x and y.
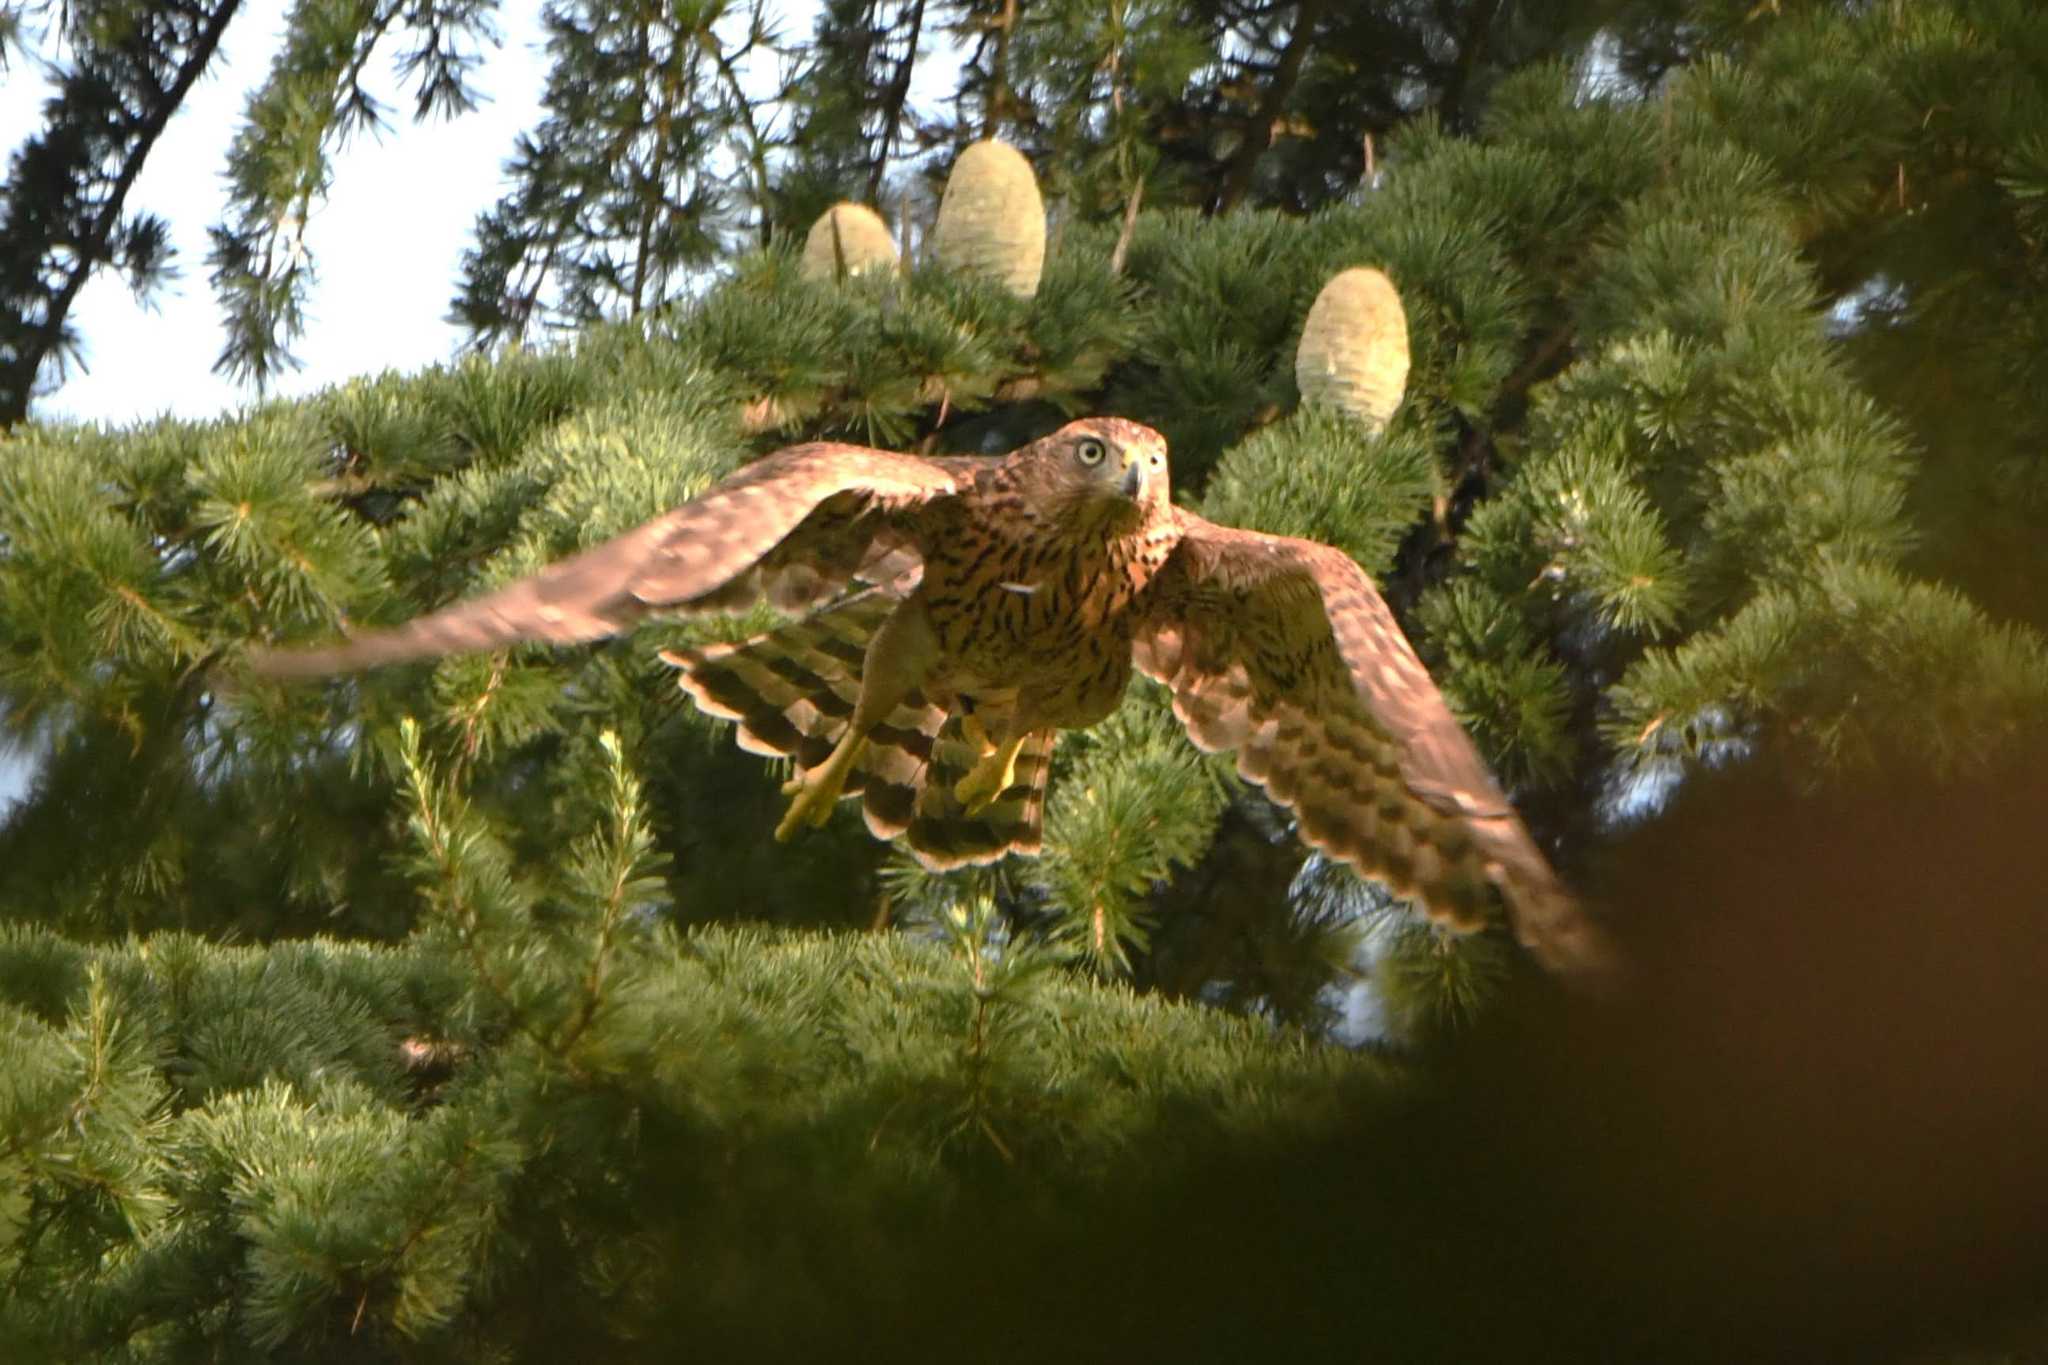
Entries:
{"x":794,"y":527}
{"x":1283,"y":650}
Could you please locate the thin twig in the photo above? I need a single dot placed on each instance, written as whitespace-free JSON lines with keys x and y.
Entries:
{"x":1130,"y":227}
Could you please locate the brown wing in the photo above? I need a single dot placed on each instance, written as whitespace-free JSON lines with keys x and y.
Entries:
{"x":1283,"y":650}
{"x":794,"y":527}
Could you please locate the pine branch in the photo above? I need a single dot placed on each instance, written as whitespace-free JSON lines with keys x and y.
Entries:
{"x":1258,"y":132}
{"x":894,"y":98}
{"x":91,"y":248}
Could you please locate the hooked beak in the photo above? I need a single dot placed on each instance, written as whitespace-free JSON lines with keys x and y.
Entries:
{"x":1134,"y":476}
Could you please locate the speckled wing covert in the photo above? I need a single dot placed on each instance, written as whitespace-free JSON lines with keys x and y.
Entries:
{"x":1283,"y":650}
{"x":795,"y":527}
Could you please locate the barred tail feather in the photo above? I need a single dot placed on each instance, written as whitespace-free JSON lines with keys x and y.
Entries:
{"x":944,"y":835}
{"x":791,"y":692}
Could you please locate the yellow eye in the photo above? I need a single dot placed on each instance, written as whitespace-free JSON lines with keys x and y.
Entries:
{"x":1090,"y":451}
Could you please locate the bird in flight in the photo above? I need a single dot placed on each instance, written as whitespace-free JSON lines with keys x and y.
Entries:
{"x":959,"y":611}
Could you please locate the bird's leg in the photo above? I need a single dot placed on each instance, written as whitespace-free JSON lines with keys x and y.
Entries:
{"x":898,"y":657}
{"x":817,"y":791}
{"x":996,"y":771}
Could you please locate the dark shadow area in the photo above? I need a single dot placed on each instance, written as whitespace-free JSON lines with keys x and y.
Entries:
{"x":1812,"y":1130}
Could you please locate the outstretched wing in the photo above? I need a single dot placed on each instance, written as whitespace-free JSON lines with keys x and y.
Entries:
{"x":794,"y":527}
{"x":1283,"y":650}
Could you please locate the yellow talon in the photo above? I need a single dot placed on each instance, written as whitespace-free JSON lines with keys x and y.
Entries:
{"x":816,"y":792}
{"x":812,"y":807}
{"x":990,"y":778}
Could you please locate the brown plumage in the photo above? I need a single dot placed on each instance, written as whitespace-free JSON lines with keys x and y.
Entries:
{"x":975,"y":607}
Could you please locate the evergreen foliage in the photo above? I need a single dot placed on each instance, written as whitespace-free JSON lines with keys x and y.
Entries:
{"x":661,"y":148}
{"x":1693,"y":542}
{"x":122,"y":70}
{"x":380,"y":1151}
{"x":625,"y":188}
{"x":278,"y":171}
{"x":465,"y":1010}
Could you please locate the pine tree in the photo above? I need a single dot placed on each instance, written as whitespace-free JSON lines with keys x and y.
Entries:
{"x":63,"y":207}
{"x":313,"y":101}
{"x":627,"y":187}
{"x":465,"y":1010}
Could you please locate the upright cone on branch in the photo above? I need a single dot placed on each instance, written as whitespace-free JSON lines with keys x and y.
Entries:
{"x":1354,"y":347}
{"x":991,"y":218}
{"x":848,"y":239}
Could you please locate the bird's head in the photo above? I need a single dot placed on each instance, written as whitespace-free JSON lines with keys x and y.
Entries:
{"x":1106,"y":465}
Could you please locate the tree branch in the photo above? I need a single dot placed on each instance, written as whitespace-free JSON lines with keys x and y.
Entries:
{"x":757,"y":157}
{"x":1458,"y":86}
{"x":999,"y":71}
{"x":1237,"y":176}
{"x":893,"y":102}
{"x":90,"y":252}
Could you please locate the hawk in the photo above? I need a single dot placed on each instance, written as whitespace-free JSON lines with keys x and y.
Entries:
{"x":962,"y":610}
